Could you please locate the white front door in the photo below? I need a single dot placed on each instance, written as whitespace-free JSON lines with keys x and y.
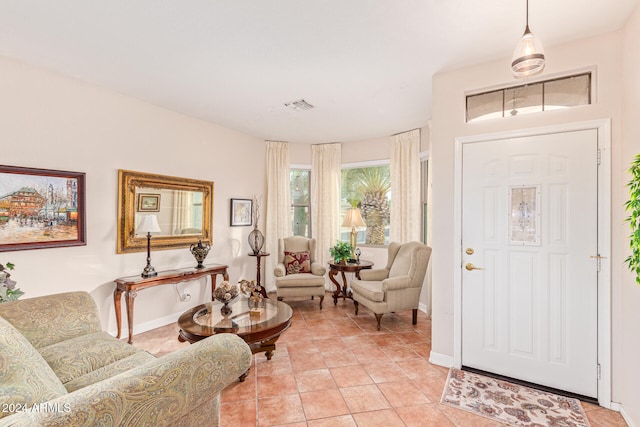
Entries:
{"x":529,"y":228}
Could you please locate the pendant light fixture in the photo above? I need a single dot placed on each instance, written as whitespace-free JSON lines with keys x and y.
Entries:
{"x":528,"y":57}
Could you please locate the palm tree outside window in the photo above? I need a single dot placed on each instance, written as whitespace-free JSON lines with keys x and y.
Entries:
{"x":369,"y":189}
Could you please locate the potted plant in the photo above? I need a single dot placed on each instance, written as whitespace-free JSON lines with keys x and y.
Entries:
{"x":8,"y":290}
{"x":633,"y":207}
{"x":340,"y":252}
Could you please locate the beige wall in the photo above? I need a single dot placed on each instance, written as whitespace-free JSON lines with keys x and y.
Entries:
{"x":629,"y":343}
{"x":356,"y":151}
{"x":449,"y":88}
{"x":54,"y":122}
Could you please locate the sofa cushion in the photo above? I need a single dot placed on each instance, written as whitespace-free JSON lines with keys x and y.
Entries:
{"x":25,"y":377}
{"x":299,"y":280}
{"x":78,"y":356}
{"x":108,"y":371}
{"x":370,"y":290}
{"x":297,"y":262}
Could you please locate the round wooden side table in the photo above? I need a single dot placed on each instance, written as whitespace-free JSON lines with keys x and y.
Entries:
{"x":342,"y":268}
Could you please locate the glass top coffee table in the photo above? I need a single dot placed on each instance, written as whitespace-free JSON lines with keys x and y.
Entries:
{"x":260,"y":330}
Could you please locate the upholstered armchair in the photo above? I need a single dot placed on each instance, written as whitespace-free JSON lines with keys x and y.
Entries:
{"x":297,"y":273}
{"x":397,"y":286}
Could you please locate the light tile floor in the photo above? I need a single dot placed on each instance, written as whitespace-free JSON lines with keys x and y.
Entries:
{"x":333,"y":369}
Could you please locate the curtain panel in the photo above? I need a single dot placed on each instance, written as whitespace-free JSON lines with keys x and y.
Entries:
{"x":406,"y":217}
{"x":326,"y":165}
{"x":277,"y":206}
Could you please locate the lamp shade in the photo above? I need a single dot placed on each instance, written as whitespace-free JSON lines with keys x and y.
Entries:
{"x":353,"y":218}
{"x":528,"y":56}
{"x":149,"y":224}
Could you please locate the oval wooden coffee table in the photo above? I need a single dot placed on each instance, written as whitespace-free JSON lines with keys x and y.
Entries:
{"x":259,"y":331}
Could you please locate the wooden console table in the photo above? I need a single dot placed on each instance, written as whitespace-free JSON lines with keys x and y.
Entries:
{"x":130,"y":285}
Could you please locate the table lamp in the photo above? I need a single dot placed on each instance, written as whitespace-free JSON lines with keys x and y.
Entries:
{"x":353,"y":219}
{"x":149,"y":224}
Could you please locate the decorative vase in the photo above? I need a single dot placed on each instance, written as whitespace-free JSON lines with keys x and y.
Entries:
{"x":225,"y":310}
{"x":200,"y":252}
{"x":256,"y":241}
{"x":255,"y":301}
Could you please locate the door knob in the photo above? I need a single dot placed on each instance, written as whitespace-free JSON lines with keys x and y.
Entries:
{"x":470,"y":267}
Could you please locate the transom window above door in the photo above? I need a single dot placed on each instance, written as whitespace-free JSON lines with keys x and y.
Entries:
{"x":553,"y":94}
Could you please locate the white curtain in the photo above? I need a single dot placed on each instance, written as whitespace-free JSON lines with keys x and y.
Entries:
{"x":182,"y":211}
{"x":406,"y":217}
{"x":277,"y":206}
{"x":325,"y":197}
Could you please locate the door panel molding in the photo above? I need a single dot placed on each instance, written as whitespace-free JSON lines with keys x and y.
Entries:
{"x":603,"y":128}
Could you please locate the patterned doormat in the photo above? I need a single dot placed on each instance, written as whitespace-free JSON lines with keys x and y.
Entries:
{"x":510,"y":403}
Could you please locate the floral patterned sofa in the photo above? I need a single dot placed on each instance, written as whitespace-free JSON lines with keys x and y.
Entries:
{"x":58,"y":368}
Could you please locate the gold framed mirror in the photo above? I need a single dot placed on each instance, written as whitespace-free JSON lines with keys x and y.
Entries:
{"x":182,"y":206}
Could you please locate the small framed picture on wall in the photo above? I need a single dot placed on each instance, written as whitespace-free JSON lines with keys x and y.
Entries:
{"x":241,"y":212}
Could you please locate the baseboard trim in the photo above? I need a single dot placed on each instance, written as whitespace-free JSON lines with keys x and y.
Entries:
{"x":147,"y":326}
{"x":423,"y":308}
{"x":441,"y":360}
{"x":627,"y":419}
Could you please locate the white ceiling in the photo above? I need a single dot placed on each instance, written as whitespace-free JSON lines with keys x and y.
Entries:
{"x":366,"y":65}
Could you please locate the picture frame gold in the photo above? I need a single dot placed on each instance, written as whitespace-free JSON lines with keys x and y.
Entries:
{"x":132,"y":184}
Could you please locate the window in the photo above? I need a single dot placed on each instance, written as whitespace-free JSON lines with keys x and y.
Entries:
{"x":368,"y":188}
{"x":551,"y":94}
{"x":299,"y":180}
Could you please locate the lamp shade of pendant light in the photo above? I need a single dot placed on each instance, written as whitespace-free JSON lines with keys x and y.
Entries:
{"x":528,"y":57}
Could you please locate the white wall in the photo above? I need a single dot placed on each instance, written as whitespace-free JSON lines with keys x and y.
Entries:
{"x":449,"y":88}
{"x":629,"y":342}
{"x":51,"y":121}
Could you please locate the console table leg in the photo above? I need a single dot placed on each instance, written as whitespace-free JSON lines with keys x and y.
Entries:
{"x":213,"y":284}
{"x":117,"y":303}
{"x":214,"y":280}
{"x":131,"y":295}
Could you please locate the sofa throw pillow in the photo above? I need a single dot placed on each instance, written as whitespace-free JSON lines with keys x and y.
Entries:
{"x":297,"y":262}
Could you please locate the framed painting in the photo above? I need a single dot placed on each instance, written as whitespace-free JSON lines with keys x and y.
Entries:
{"x":148,"y":202}
{"x":41,"y":208}
{"x":241,"y":212}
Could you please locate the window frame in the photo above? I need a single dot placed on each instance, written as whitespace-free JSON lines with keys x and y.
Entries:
{"x":293,"y":205}
{"x":590,"y":72}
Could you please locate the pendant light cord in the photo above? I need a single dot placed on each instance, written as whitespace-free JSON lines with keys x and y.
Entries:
{"x":526,"y":28}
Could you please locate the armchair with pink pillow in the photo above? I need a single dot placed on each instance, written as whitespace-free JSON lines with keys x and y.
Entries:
{"x":297,"y":273}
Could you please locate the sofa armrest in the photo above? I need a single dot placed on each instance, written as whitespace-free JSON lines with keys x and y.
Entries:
{"x":398,"y":282}
{"x":318,"y":269}
{"x":375,"y":275}
{"x":53,"y":318}
{"x":180,"y":388}
{"x":280,"y":271}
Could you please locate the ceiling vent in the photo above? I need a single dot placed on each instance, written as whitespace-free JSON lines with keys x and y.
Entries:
{"x":299,"y":105}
